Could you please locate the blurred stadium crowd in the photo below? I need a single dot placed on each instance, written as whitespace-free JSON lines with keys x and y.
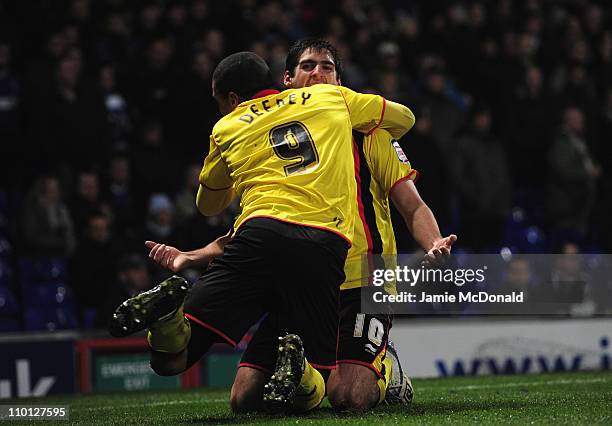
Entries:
{"x":105,"y":111}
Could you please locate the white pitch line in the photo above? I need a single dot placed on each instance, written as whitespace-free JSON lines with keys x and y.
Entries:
{"x":514,"y":384}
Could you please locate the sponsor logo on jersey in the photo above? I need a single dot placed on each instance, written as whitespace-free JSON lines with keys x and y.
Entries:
{"x":400,"y":152}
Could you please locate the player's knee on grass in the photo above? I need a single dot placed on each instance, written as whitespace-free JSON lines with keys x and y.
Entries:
{"x":247,"y":391}
{"x":352,"y":388}
{"x":168,"y":364}
{"x":347,"y":398}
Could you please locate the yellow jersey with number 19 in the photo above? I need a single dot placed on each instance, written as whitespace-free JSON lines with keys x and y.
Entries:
{"x":289,"y":155}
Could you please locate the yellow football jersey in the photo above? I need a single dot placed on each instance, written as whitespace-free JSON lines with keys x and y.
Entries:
{"x":380,"y":164}
{"x":289,"y":155}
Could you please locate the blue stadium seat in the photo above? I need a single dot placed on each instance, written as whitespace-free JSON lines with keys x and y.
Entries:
{"x":51,"y":319}
{"x":8,"y":303}
{"x":3,"y":223}
{"x":47,"y":295}
{"x":533,"y":241}
{"x":6,"y":248}
{"x":8,"y":325}
{"x":7,"y":275}
{"x":462,"y":256}
{"x":521,"y":234}
{"x":88,"y":318}
{"x":42,"y":269}
{"x":3,"y":211}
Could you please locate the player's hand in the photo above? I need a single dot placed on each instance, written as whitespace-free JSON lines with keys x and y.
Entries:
{"x":167,"y":257}
{"x":440,"y":251}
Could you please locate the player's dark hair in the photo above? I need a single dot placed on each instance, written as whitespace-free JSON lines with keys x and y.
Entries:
{"x":243,"y":73}
{"x":316,"y":45}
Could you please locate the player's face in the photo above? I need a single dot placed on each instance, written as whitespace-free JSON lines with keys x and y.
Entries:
{"x":314,"y":67}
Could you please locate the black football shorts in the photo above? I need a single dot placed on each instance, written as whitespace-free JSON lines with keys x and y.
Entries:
{"x":290,"y":271}
{"x":362,"y":339}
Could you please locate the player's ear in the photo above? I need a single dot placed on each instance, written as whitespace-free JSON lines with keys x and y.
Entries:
{"x":287,"y":80}
{"x":233,"y":99}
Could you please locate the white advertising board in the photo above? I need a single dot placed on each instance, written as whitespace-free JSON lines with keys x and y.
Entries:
{"x":468,"y":346}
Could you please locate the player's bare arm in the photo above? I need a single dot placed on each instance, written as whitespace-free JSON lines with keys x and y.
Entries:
{"x":175,"y":260}
{"x":422,"y":223}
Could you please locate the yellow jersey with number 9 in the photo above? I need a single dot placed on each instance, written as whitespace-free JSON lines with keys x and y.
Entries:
{"x":289,"y":156}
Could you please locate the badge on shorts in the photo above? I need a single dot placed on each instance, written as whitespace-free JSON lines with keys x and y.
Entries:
{"x":400,"y":152}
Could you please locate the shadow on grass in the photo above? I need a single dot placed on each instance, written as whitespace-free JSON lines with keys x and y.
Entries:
{"x":417,"y":410}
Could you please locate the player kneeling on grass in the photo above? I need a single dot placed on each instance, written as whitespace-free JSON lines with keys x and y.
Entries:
{"x":288,"y":156}
{"x":365,"y":375}
{"x":368,"y":370}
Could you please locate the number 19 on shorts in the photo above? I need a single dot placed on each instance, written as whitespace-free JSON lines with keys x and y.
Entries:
{"x":376,"y":329}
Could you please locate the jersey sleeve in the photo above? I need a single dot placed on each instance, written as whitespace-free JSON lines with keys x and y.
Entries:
{"x":215,"y":175}
{"x":389,"y":164}
{"x":369,"y":112}
{"x":365,"y":110}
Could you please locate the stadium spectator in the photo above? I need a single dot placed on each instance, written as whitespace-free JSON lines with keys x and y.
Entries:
{"x":86,"y":201}
{"x":154,"y":161}
{"x":521,"y":278}
{"x":160,"y":216}
{"x":122,"y":201}
{"x":185,"y":198}
{"x":569,"y":285}
{"x":529,"y":127}
{"x":113,"y":44}
{"x":353,"y":76}
{"x":73,"y":126}
{"x":194,"y":111}
{"x":199,"y":16}
{"x":148,"y":23}
{"x":604,"y":156}
{"x":176,"y":25}
{"x":117,"y":111}
{"x":47,"y":225}
{"x":151,"y":80}
{"x":132,"y":277}
{"x":483,"y":183}
{"x":93,"y":265}
{"x":446,"y":114}
{"x":572,"y":176}
{"x":40,"y":68}
{"x":10,"y":97}
{"x":160,"y":226}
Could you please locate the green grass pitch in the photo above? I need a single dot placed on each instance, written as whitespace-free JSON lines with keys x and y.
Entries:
{"x":568,"y":398}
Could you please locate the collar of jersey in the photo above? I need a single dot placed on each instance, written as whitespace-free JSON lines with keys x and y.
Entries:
{"x":264,"y":93}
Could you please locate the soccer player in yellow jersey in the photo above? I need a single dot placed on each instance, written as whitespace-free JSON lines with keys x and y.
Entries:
{"x":381,"y":171}
{"x":289,"y":157}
